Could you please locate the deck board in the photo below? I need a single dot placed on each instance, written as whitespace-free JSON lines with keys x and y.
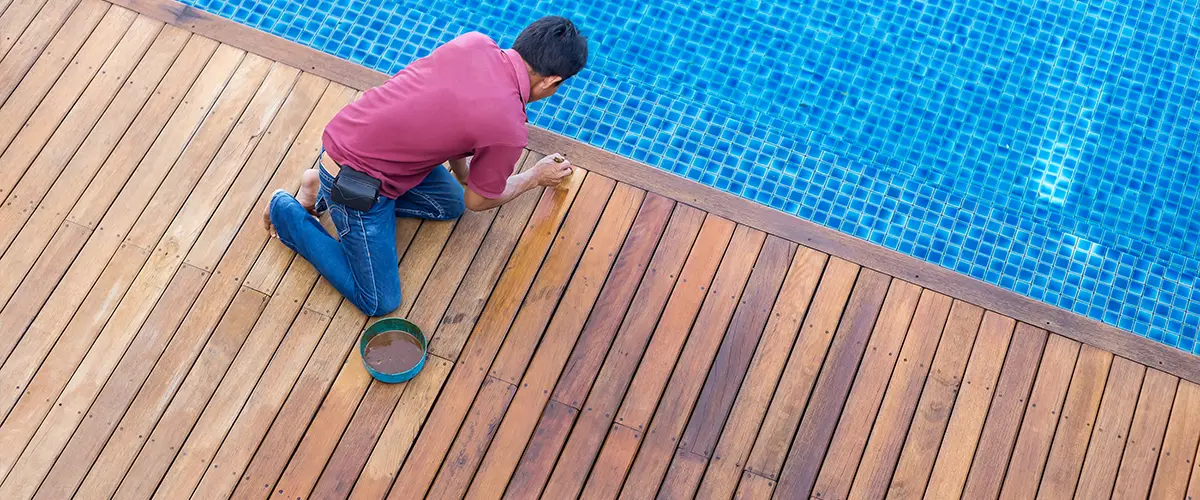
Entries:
{"x":625,"y":334}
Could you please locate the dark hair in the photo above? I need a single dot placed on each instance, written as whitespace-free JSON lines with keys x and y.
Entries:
{"x":553,"y":46}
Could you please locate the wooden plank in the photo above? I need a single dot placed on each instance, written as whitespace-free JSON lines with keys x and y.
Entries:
{"x":542,"y":451}
{"x":147,"y":288}
{"x":93,"y":126}
{"x":25,"y":128}
{"x":24,"y":367}
{"x":970,"y":409}
{"x":754,"y":487}
{"x":845,"y":448}
{"x":79,"y":285}
{"x":615,"y":458}
{"x":117,"y":453}
{"x":719,"y":203}
{"x":13,"y":22}
{"x":758,"y":386}
{"x":1112,"y":430}
{"x":77,"y":397}
{"x":1194,"y":487}
{"x":1005,"y":413}
{"x":937,"y":399}
{"x":99,"y":149}
{"x":401,"y":432}
{"x":216,"y":296}
{"x":675,"y":396}
{"x":1075,"y":424}
{"x":465,"y":277}
{"x":601,"y":333}
{"x":684,"y":476}
{"x":783,"y":415}
{"x":900,"y":401}
{"x":39,"y":53}
{"x":685,"y":296}
{"x":871,"y":292}
{"x":420,"y":468}
{"x":200,"y":392}
{"x":1179,"y":445}
{"x":478,"y":428}
{"x":1146,"y":435}
{"x":733,"y":359}
{"x":235,"y":439}
{"x":31,"y":295}
{"x":625,"y":214}
{"x":1041,"y":417}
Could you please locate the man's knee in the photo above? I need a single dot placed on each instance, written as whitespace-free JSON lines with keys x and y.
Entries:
{"x":456,"y":208}
{"x":380,"y":306}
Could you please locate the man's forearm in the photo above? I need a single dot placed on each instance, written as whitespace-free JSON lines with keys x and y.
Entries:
{"x":517,"y":185}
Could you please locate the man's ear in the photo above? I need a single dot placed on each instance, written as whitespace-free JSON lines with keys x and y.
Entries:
{"x":550,"y":82}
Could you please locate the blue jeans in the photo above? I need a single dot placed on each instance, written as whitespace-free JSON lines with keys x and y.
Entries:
{"x":362,"y":262}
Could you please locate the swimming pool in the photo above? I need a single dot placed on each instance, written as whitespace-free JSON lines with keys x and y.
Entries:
{"x":1048,"y":147}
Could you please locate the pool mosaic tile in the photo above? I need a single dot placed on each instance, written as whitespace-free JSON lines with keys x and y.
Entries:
{"x":1045,"y":146}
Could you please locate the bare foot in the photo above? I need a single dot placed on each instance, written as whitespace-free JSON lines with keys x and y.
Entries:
{"x":266,"y":215}
{"x":310,"y":184}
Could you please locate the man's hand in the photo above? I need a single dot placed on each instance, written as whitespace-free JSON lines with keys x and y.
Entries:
{"x":552,"y":170}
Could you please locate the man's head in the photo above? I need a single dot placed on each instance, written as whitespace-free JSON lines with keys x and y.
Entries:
{"x":554,"y":51}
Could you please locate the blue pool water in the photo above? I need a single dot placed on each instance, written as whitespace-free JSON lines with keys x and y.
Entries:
{"x":1048,"y":147}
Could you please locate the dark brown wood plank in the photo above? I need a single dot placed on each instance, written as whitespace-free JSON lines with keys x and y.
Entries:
{"x":422,"y":465}
{"x":626,"y":214}
{"x":937,"y":400}
{"x":1112,"y":430}
{"x":684,"y":476}
{"x":672,"y":381}
{"x":1146,"y":435}
{"x":862,"y":404}
{"x":1075,"y":424}
{"x":686,"y":295}
{"x":754,"y":487}
{"x":602,"y":338}
{"x":808,"y":354}
{"x":1179,"y":445}
{"x":747,"y":281}
{"x":733,"y":359}
{"x":971,"y":407}
{"x":1029,"y":454}
{"x":871,"y":292}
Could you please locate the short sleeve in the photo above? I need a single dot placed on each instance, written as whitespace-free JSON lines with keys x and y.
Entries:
{"x":490,"y":169}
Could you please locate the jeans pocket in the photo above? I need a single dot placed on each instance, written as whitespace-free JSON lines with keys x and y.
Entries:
{"x":340,"y":220}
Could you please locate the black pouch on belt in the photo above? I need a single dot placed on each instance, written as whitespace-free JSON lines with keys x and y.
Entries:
{"x":355,"y":189}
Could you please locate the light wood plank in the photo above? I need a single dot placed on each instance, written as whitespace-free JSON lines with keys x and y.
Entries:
{"x":937,"y":399}
{"x":808,"y":354}
{"x":1112,"y":430}
{"x":871,"y":292}
{"x":1179,"y":445}
{"x":1004,"y":416}
{"x":39,"y":43}
{"x":684,"y":476}
{"x":862,"y":404}
{"x":608,"y":473}
{"x":537,"y":462}
{"x":676,"y":396}
{"x":1041,"y":417}
{"x":624,"y":214}
{"x":737,"y":437}
{"x":970,"y":409}
{"x":14,"y":21}
{"x":211,"y":389}
{"x":686,"y":294}
{"x":1075,"y":424}
{"x":613,"y":369}
{"x":77,"y":397}
{"x":90,"y":130}
{"x":754,"y":487}
{"x":1146,"y":435}
{"x":25,"y":128}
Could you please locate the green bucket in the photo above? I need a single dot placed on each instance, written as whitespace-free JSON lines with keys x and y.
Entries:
{"x":389,"y":325}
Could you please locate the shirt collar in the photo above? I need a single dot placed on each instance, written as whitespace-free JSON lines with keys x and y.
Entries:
{"x":522,"y":73}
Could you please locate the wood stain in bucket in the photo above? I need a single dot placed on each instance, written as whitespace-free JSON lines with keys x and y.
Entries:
{"x":393,"y":352}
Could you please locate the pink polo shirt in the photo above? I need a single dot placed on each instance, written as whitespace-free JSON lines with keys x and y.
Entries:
{"x":467,"y":98}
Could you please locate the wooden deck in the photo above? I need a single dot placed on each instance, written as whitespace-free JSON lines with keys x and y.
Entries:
{"x":631,"y":334}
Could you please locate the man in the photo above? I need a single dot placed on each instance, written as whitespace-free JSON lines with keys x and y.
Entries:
{"x":383,"y":154}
